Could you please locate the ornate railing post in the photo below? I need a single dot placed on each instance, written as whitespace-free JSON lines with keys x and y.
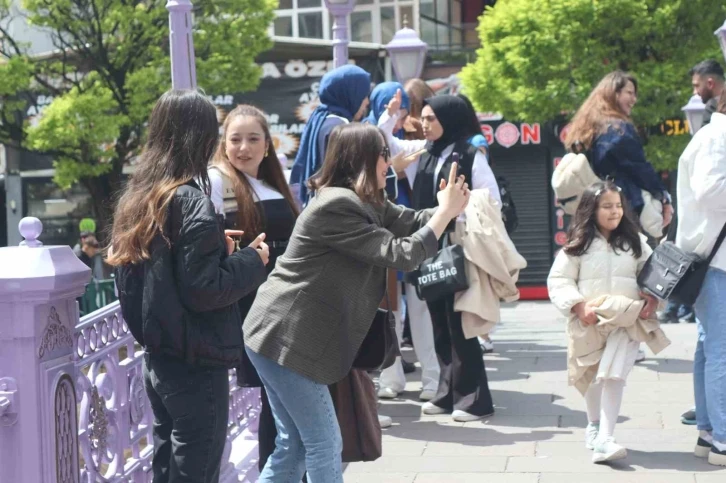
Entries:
{"x":38,"y":314}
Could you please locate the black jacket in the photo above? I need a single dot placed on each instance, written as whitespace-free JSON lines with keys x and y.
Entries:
{"x":183,"y":300}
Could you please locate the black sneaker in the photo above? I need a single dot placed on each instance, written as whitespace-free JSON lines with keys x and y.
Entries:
{"x":702,"y":449}
{"x":717,"y":456}
{"x":408,"y":367}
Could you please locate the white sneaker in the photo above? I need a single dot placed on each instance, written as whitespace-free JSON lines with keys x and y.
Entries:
{"x":464,"y":417}
{"x":487,"y":346}
{"x":427,"y":395}
{"x":608,"y":450}
{"x":387,"y":393}
{"x":641,"y":356}
{"x":591,"y":435}
{"x":384,"y":421}
{"x":432,"y":409}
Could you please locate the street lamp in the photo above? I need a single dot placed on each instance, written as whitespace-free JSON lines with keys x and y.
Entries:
{"x":340,"y":9}
{"x":408,"y":53}
{"x":181,"y":45}
{"x":694,"y":113}
{"x":721,"y":34}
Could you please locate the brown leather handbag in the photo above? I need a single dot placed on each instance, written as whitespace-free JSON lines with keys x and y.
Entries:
{"x":356,"y":404}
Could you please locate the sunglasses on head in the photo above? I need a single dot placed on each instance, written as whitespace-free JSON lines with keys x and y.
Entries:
{"x":602,"y":190}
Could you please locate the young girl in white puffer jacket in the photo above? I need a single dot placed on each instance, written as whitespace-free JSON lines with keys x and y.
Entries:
{"x":603,"y":256}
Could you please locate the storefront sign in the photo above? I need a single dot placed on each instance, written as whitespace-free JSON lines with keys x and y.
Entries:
{"x":508,"y":134}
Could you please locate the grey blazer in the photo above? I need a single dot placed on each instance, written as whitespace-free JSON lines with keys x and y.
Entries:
{"x":314,"y":310}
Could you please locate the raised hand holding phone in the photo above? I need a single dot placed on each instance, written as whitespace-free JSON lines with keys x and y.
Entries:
{"x":454,"y":195}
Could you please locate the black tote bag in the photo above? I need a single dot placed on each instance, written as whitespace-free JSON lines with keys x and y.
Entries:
{"x":441,"y":275}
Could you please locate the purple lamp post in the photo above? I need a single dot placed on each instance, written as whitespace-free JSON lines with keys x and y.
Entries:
{"x":340,"y":9}
{"x":694,"y":113}
{"x":721,"y":34}
{"x":181,"y":43}
{"x":408,"y":53}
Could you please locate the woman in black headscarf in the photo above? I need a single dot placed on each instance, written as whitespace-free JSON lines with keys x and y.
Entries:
{"x":463,"y":387}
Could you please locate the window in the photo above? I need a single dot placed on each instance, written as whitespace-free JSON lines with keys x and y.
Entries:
{"x":405,"y":13}
{"x":283,"y":26}
{"x":361,"y":26}
{"x":373,"y":21}
{"x":428,"y":31}
{"x":441,"y":23}
{"x":388,"y":24}
{"x":442,"y":10}
{"x":310,"y":25}
{"x":427,"y":8}
{"x":385,"y":16}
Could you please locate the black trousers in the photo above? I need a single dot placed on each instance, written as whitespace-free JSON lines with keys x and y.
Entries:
{"x":463,"y":382}
{"x":190,"y":406}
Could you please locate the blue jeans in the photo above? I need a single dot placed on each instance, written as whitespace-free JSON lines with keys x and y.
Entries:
{"x":308,"y":435}
{"x":709,"y":365}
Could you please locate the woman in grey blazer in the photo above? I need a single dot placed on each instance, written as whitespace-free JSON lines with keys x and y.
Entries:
{"x":311,"y":316}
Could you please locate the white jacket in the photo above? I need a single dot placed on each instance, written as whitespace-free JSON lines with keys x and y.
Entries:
{"x":492,"y":265}
{"x":599,"y":271}
{"x":702,"y":191}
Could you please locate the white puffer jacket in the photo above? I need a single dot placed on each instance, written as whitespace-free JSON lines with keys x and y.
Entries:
{"x":599,"y":271}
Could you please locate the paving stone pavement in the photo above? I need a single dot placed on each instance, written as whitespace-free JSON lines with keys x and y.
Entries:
{"x":537,"y":432}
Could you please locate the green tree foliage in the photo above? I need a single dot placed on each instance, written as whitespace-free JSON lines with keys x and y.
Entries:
{"x":541,"y":58}
{"x":111,"y":64}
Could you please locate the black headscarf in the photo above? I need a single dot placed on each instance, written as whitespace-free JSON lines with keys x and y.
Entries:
{"x":453,"y":115}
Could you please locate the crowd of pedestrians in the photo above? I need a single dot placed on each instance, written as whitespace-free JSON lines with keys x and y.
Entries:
{"x":222,"y":263}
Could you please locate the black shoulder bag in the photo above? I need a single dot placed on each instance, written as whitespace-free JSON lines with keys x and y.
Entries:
{"x":674,"y":274}
{"x":380,"y":346}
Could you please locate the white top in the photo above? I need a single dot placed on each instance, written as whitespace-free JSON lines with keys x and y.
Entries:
{"x":481,"y":174}
{"x":261,"y":190}
{"x":702,"y":191}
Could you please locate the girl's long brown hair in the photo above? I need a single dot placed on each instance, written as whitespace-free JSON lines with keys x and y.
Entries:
{"x":598,"y":111}
{"x":182,"y":136}
{"x":583,"y":228}
{"x":270,"y":171}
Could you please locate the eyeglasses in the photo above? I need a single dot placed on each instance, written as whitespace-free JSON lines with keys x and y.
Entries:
{"x":386,"y":153}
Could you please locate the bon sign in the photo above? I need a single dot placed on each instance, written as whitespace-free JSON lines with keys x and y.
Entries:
{"x":508,"y":134}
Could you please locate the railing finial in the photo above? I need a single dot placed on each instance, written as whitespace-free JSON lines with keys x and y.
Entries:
{"x":30,"y":228}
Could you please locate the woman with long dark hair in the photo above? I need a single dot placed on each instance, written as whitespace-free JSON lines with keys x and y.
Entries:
{"x":179,"y":284}
{"x":309,"y":319}
{"x":463,"y":388}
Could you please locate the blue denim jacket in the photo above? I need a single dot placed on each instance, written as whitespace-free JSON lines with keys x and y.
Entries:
{"x":618,"y":153}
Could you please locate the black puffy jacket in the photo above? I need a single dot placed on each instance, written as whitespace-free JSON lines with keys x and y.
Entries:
{"x":183,"y":300}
